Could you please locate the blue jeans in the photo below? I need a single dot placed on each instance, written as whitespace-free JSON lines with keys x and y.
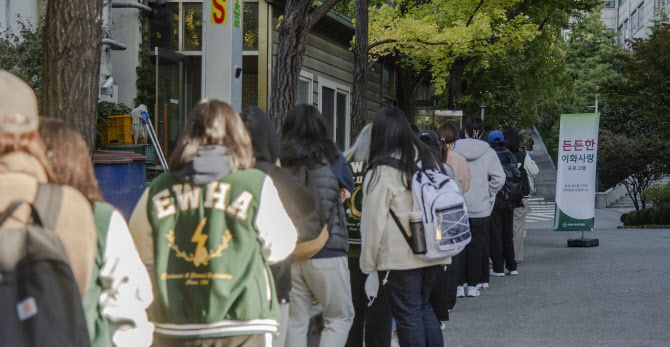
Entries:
{"x":408,"y":296}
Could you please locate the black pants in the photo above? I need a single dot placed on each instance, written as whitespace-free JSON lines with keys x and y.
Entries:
{"x":502,"y":239}
{"x":375,"y":320}
{"x":408,"y":294}
{"x":473,"y":254}
{"x":439,"y":297}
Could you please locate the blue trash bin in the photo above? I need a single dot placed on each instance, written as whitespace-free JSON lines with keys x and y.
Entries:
{"x":121,"y":177}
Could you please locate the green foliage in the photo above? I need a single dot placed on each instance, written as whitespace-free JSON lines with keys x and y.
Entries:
{"x":520,"y":84}
{"x":106,"y":109}
{"x":658,"y":195}
{"x":22,"y":54}
{"x":645,"y":86}
{"x":145,"y":83}
{"x":635,"y":161}
{"x":590,"y":56}
{"x":648,"y":216}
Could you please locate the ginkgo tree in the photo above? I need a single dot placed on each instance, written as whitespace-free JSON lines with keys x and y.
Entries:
{"x":444,"y":36}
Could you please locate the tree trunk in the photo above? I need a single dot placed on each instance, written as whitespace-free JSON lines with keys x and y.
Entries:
{"x":407,"y":83}
{"x":72,"y":39}
{"x":299,"y":17}
{"x":456,"y":82}
{"x":359,"y":109}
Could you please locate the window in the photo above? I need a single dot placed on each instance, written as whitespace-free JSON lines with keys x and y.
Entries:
{"x":250,"y":26}
{"x":621,"y":2}
{"x":625,"y":29}
{"x":633,"y":22}
{"x":192,"y":26}
{"x":609,"y":4}
{"x":640,"y":15}
{"x":334,"y":104}
{"x":305,"y":90}
{"x":164,"y":27}
{"x":620,"y":34}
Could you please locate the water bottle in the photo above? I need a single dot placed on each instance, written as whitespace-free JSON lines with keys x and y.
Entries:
{"x":418,"y":234}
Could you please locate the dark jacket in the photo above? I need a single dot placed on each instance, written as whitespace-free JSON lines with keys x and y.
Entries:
{"x":330,"y":204}
{"x":298,"y":203}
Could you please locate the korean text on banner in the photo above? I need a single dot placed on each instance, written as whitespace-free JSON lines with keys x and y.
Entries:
{"x":576,"y":172}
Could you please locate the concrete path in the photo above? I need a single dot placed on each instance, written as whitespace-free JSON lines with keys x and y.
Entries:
{"x":612,"y":295}
{"x":545,"y":181}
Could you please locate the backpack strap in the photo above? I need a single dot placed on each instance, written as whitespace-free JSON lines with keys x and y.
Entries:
{"x":48,"y":203}
{"x":402,"y":230}
{"x":12,"y":208}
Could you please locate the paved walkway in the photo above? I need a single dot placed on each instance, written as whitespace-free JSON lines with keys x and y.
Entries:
{"x":611,"y":295}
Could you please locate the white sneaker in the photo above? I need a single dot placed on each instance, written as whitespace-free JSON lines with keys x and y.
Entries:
{"x":460,"y":292}
{"x":511,"y":273}
{"x":496,"y":274}
{"x":479,"y":286}
{"x":472,"y":292}
{"x":443,"y":326}
{"x":485,"y":285}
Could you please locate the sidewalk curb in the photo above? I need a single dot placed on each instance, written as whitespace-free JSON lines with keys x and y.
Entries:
{"x":643,"y":227}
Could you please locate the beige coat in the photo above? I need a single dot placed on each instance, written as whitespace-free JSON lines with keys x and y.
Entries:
{"x":383,"y":246}
{"x":460,"y":166}
{"x":20,"y":175}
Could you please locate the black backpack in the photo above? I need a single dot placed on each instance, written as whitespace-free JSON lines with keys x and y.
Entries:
{"x":511,"y":193}
{"x":521,"y":159}
{"x":39,"y":296}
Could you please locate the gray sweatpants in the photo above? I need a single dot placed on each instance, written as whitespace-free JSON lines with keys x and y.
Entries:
{"x":520,"y":214}
{"x":326,"y":279}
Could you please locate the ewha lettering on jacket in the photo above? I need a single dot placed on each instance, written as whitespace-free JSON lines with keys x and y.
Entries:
{"x":188,"y":198}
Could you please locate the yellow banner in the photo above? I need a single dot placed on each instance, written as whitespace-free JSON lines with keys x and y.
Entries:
{"x":219,"y":11}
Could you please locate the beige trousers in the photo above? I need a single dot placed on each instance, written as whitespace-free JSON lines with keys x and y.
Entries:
{"x":520,"y":214}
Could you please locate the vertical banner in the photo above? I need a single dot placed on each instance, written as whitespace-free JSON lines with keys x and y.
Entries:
{"x":576,"y":172}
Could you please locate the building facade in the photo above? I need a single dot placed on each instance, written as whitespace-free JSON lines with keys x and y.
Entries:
{"x":156,"y":57}
{"x":633,"y":18}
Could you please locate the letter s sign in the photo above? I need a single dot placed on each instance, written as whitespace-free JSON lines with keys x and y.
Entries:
{"x":219,"y":11}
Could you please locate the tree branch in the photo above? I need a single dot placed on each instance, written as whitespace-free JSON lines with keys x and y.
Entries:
{"x":474,"y":13}
{"x":544,"y":22}
{"x":379,"y":43}
{"x":320,"y":11}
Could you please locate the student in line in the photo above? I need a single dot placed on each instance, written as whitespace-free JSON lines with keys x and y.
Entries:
{"x":307,"y":150}
{"x":528,"y":169}
{"x":297,"y":201}
{"x":120,"y":292}
{"x":395,"y":154}
{"x":487,"y":178}
{"x":24,"y":175}
{"x":211,"y":227}
{"x":372,"y":322}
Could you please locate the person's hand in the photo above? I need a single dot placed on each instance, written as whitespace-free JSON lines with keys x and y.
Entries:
{"x":344,"y":194}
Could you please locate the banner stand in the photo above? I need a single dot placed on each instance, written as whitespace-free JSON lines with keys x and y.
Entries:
{"x":583,"y":242}
{"x":576,"y":176}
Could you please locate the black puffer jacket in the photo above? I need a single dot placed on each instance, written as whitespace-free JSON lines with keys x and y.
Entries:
{"x":296,"y":200}
{"x":330,"y":205}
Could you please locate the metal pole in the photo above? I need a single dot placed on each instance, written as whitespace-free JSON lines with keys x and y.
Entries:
{"x":482,"y":111}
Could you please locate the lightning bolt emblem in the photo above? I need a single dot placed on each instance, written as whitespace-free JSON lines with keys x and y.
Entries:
{"x":200,"y":238}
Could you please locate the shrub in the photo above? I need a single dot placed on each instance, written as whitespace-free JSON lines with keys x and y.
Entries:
{"x":631,"y":218}
{"x":655,"y":216}
{"x":658,"y":195}
{"x":643,"y":216}
{"x":622,"y":218}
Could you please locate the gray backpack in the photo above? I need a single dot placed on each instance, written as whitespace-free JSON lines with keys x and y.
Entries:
{"x":39,"y":296}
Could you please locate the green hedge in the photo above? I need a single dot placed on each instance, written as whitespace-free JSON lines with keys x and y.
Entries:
{"x":648,"y":216}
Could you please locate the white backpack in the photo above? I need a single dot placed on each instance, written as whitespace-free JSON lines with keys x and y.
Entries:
{"x":445,"y":216}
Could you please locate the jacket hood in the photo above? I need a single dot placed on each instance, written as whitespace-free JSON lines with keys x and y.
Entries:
{"x":210,"y":164}
{"x":264,"y":138}
{"x":471,"y":149}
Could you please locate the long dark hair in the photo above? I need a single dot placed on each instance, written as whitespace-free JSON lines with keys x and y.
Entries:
{"x":513,"y":141}
{"x":392,"y":137}
{"x":304,"y":138}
